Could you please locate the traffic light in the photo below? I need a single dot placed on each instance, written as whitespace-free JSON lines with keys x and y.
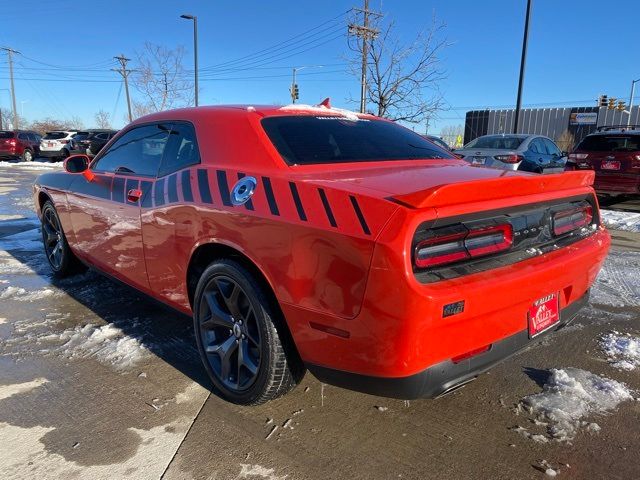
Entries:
{"x":295,"y":93}
{"x":612,"y":104}
{"x":621,"y":105}
{"x":603,"y":101}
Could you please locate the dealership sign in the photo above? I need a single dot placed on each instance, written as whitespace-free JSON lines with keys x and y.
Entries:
{"x":590,"y":118}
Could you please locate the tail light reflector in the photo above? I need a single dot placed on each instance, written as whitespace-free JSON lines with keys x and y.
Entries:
{"x":569,"y":220}
{"x":472,"y":353}
{"x":445,"y":249}
{"x":509,"y":158}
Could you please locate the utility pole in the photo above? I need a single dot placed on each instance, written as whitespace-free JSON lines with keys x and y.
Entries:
{"x":523,"y":60}
{"x":10,"y":53}
{"x":125,"y":75}
{"x":633,"y":90}
{"x":366,"y":33}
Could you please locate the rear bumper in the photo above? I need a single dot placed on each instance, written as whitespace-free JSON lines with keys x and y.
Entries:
{"x":617,"y":183}
{"x":445,"y":376}
{"x":51,"y":153}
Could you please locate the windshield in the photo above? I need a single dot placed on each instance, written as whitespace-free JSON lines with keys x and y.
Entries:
{"x":610,"y":143}
{"x":500,"y":142}
{"x":304,"y":140}
{"x":54,"y":135}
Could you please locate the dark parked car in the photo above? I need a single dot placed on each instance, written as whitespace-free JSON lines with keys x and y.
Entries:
{"x":23,"y":144}
{"x":82,"y":141}
{"x":614,"y":154}
{"x":438,"y":141}
{"x":529,"y":153}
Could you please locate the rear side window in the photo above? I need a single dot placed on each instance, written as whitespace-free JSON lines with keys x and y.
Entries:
{"x":537,"y":146}
{"x":22,"y":136}
{"x":610,"y":143}
{"x":304,"y":140}
{"x":181,"y":150}
{"x":54,"y":135}
{"x":139,"y":151}
{"x":552,"y":149}
{"x":6,"y":134}
{"x":32,"y":137}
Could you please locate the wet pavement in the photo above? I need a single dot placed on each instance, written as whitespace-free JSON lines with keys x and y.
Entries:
{"x":98,"y":382}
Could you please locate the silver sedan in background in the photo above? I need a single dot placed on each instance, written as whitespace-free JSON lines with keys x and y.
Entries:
{"x":529,"y":153}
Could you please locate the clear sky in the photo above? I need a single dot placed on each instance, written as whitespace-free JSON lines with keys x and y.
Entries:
{"x":578,"y":49}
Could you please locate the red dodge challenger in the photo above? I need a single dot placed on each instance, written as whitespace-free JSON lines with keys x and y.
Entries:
{"x":314,"y":238}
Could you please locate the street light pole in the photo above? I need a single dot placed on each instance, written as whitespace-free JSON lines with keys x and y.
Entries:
{"x":293,"y":80}
{"x":633,"y":89}
{"x":523,"y":61}
{"x":195,"y":51}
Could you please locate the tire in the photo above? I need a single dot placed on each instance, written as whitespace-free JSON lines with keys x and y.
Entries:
{"x":27,"y":156}
{"x":65,"y":154}
{"x":234,"y":318}
{"x":60,"y":257}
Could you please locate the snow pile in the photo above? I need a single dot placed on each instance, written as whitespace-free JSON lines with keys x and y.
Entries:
{"x":32,"y":165}
{"x":22,"y":295}
{"x":618,"y":283}
{"x":570,"y":395}
{"x":621,"y":220}
{"x":322,"y":110}
{"x":622,"y":350}
{"x":107,"y":344}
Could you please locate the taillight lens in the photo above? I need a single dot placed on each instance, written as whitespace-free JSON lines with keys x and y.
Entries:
{"x":450,"y":248}
{"x":578,"y":156}
{"x":12,"y":142}
{"x":509,"y":158}
{"x":569,"y":220}
{"x":635,"y":162}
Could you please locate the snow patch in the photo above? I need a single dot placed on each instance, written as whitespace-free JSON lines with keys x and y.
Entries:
{"x":7,"y":391}
{"x":628,"y":221}
{"x":622,"y":350}
{"x":22,"y":295}
{"x":618,"y":283}
{"x":4,"y":218}
{"x":322,"y":110}
{"x":32,"y":165}
{"x":570,"y":395}
{"x":258,"y":471}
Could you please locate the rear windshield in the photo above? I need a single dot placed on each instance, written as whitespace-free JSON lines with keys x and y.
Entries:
{"x":81,"y":136}
{"x":501,"y":142}
{"x":317,"y":140}
{"x":6,"y":134}
{"x":54,"y":135}
{"x":610,"y":143}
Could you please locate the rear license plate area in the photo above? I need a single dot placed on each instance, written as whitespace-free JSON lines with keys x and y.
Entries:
{"x":543,"y":314}
{"x":610,"y":165}
{"x":478,"y":160}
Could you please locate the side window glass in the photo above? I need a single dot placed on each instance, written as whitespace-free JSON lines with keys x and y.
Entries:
{"x":139,"y":151}
{"x":22,"y":136}
{"x":32,"y":137}
{"x":181,"y":150}
{"x":533,"y":146}
{"x":551,"y":148}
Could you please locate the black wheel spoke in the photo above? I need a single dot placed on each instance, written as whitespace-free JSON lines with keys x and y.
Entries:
{"x":230,"y":292}
{"x":245,"y":360}
{"x":218,"y":317}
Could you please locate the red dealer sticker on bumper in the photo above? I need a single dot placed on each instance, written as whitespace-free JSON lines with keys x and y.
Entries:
{"x":544,"y":313}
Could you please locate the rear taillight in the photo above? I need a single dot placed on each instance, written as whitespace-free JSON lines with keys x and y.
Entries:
{"x":509,"y":158}
{"x":635,"y":161}
{"x":569,"y":220}
{"x":578,"y":156}
{"x":12,"y":142}
{"x":451,"y":248}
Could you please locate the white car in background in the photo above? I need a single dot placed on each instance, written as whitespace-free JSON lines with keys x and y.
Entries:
{"x":57,"y":144}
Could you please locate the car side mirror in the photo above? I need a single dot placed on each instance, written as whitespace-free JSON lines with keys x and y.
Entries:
{"x":76,"y":163}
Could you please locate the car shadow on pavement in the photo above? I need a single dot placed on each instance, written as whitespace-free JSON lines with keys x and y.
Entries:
{"x":539,"y":376}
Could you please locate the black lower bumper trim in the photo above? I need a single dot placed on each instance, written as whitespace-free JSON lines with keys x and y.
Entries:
{"x":444,"y":376}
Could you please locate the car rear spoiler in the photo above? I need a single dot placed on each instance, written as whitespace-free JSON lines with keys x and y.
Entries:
{"x":495,"y":188}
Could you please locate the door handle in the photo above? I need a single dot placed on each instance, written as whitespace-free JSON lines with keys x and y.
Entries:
{"x":134,"y":195}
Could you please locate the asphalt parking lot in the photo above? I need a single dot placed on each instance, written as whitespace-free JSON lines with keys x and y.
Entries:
{"x":97,"y":382}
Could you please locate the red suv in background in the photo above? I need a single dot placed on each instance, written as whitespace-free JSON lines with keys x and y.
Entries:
{"x":614,"y":153}
{"x":22,"y":144}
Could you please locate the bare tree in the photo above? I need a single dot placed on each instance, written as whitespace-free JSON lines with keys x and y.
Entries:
{"x":102,"y":119}
{"x":403,"y":80}
{"x":160,"y":80}
{"x":566,"y":141}
{"x":7,"y":120}
{"x":50,"y":124}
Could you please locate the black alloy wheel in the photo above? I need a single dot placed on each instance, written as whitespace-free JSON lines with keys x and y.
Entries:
{"x":240,"y":346}
{"x":60,"y":257}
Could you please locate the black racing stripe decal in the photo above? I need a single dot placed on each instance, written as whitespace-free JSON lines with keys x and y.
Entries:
{"x":131,"y":185}
{"x":327,"y":207}
{"x":146,"y":194}
{"x":187,"y":194}
{"x":117,"y":189}
{"x":158,"y":192}
{"x":356,"y":208}
{"x":249,"y":203}
{"x":172,"y":188}
{"x":297,"y":201}
{"x":271,"y":199}
{"x":203,"y":186}
{"x":223,"y":186}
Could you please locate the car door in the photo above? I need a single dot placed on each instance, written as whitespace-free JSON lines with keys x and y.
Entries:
{"x":105,"y":211}
{"x":169,"y":217}
{"x":537,"y":155}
